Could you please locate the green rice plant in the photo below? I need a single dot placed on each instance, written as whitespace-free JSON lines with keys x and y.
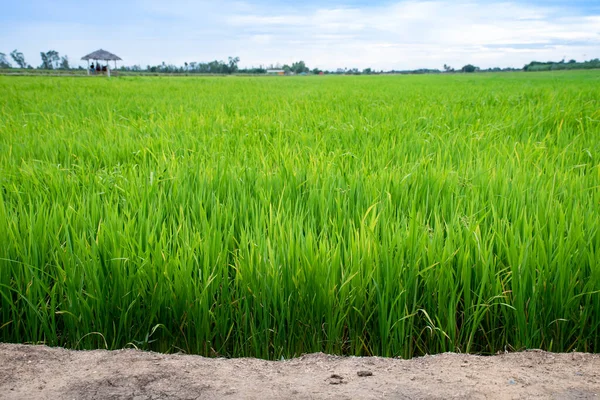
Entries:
{"x":270,"y":217}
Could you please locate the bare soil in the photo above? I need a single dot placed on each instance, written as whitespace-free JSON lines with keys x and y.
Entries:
{"x":38,"y":372}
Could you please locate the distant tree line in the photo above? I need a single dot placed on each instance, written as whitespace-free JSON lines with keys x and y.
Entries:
{"x":51,"y":60}
{"x":561,"y":65}
{"x":213,"y":67}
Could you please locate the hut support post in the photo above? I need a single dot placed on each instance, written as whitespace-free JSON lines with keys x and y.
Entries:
{"x":88,"y":68}
{"x":107,"y":69}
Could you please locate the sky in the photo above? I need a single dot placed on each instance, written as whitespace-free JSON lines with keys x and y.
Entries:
{"x":328,"y":34}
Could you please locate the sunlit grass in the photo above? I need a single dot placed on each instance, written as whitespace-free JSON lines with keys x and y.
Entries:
{"x":270,"y":217}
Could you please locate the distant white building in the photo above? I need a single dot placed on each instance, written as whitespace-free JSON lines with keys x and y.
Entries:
{"x":275,"y":72}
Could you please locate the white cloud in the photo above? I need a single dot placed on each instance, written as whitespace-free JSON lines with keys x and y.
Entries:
{"x":402,"y":35}
{"x":414,"y":34}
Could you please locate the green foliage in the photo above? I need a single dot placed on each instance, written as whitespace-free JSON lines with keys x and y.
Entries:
{"x":4,"y":61}
{"x":536,"y":66}
{"x":19,"y":58}
{"x":213,"y":67}
{"x":299,"y":67}
{"x":469,"y":68}
{"x":233,"y":64}
{"x":391,"y":216}
{"x":64,"y":63}
{"x":50,"y":60}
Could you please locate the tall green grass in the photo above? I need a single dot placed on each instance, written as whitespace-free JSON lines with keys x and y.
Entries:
{"x":271,"y":217}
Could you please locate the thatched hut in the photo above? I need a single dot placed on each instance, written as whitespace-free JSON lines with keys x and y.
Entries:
{"x":102,"y":55}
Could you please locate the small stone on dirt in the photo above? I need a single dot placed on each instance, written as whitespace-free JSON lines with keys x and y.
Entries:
{"x":364,"y":373}
{"x":335,"y":379}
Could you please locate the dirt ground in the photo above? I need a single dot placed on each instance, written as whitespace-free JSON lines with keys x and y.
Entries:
{"x":38,"y":372}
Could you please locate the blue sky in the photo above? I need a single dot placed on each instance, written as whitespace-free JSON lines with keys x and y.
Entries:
{"x":326,"y":34}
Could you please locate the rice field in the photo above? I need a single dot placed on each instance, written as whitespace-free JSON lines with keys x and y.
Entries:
{"x":270,"y":217}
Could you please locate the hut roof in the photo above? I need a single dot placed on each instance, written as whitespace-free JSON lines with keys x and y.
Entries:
{"x":102,"y":55}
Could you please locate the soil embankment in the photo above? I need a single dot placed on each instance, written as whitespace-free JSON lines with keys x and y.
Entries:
{"x":32,"y":372}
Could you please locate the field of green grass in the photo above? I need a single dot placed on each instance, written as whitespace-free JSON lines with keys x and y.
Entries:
{"x":270,"y":217}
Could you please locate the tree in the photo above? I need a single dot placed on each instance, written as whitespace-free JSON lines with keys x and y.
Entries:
{"x":469,"y":68}
{"x":64,"y":63}
{"x":216,"y":67}
{"x":50,"y":60}
{"x":4,"y":61}
{"x":448,"y":68}
{"x":19,"y":58}
{"x":367,"y":71}
{"x":233,"y":64}
{"x":316,"y":71}
{"x":299,"y":67}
